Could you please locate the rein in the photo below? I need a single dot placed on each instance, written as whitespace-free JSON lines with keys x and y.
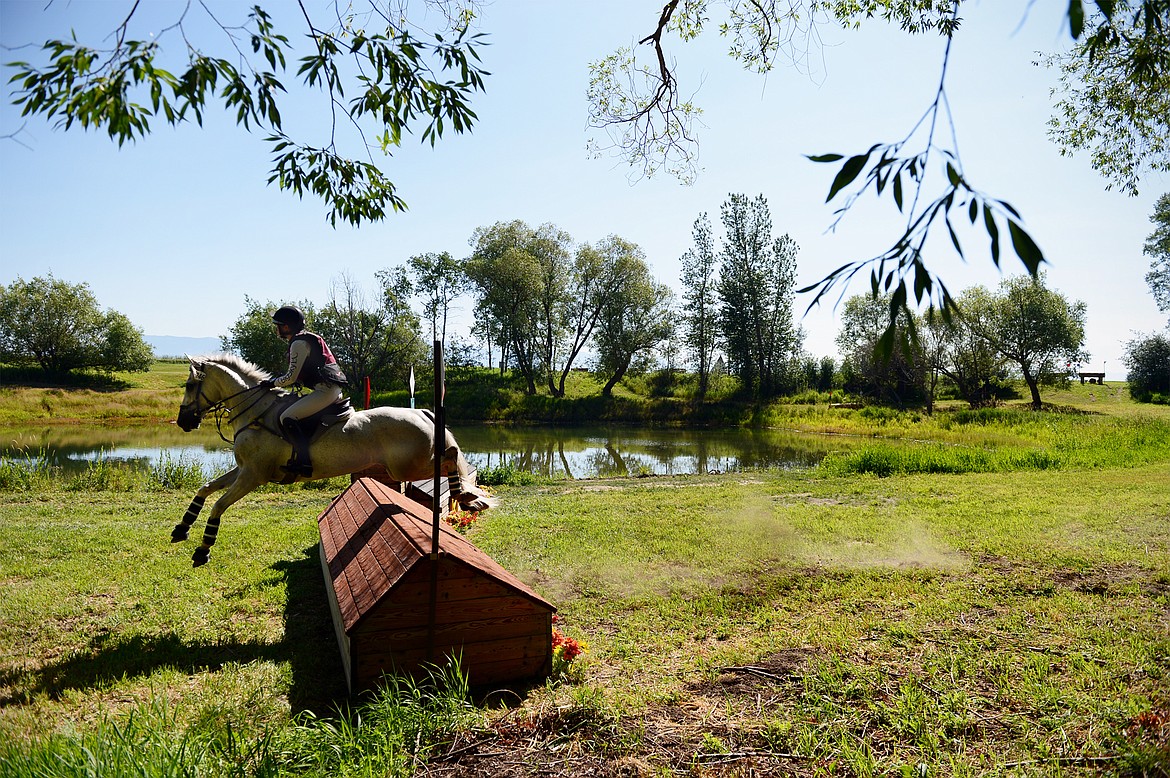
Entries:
{"x":219,"y":409}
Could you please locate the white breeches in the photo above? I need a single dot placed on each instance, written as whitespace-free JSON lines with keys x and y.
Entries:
{"x":318,"y":399}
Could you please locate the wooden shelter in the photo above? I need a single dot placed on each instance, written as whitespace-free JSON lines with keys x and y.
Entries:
{"x":396,"y":609}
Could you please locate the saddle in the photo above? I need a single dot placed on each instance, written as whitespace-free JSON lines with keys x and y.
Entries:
{"x":314,"y":425}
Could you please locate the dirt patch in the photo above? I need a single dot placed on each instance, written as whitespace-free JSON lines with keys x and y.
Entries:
{"x":1108,"y":580}
{"x":783,"y":667}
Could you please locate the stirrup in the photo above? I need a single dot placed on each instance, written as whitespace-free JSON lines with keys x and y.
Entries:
{"x":297,"y":468}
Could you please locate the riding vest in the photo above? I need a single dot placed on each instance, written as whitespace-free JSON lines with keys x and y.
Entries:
{"x":321,"y":366}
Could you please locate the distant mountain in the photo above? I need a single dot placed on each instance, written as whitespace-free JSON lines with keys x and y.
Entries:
{"x":176,"y":346}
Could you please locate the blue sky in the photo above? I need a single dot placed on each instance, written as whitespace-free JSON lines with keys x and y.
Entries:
{"x":175,"y":230}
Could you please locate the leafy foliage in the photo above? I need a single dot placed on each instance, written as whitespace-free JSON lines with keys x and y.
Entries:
{"x":1033,"y":327}
{"x":1120,"y":68}
{"x":635,"y":317}
{"x":506,"y":269}
{"x":1148,"y":360}
{"x":954,"y":348}
{"x":699,"y":319}
{"x":60,"y":327}
{"x":756,"y":278}
{"x":377,"y":339}
{"x":1157,"y":248}
{"x":1115,"y":91}
{"x":397,"y":81}
{"x":871,"y":369}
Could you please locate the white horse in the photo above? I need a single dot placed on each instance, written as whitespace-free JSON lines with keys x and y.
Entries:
{"x":401,"y":439}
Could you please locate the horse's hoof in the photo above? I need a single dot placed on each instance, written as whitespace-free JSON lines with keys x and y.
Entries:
{"x":178,"y":534}
{"x":200,"y":557}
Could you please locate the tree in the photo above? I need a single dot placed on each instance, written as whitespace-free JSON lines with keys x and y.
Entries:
{"x":550,"y":248}
{"x":395,"y":80}
{"x":888,"y":375}
{"x":506,"y":274}
{"x":755,"y":289}
{"x":438,"y":280}
{"x":1115,"y":99}
{"x":640,"y":107}
{"x":1035,"y":328}
{"x":1157,"y":247}
{"x":596,"y":278}
{"x":379,"y":340}
{"x":954,"y":348}
{"x":123,"y":347}
{"x":253,"y":337}
{"x":60,"y":327}
{"x":1148,"y":360}
{"x":635,"y":317}
{"x":700,"y":329}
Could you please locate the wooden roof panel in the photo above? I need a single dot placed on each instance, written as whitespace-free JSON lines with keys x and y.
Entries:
{"x":375,"y":537}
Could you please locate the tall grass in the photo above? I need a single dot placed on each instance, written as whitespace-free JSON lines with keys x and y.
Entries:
{"x":32,"y":473}
{"x":26,"y":474}
{"x":389,"y":734}
{"x":1003,"y":441}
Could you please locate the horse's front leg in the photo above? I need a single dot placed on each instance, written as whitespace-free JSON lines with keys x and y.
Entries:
{"x":179,"y":533}
{"x":245,"y":482}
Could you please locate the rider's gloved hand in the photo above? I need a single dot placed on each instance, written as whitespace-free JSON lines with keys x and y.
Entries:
{"x":266,"y":384}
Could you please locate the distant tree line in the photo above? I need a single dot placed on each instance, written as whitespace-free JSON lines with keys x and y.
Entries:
{"x":1022,"y":329}
{"x":60,"y":328}
{"x":544,"y":304}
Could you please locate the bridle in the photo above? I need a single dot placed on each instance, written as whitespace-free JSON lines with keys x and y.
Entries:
{"x":218,"y":408}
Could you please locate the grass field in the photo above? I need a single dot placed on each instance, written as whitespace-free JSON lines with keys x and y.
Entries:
{"x":1013,"y":621}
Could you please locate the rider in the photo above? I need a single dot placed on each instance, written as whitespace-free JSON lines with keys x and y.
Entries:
{"x":310,"y":364}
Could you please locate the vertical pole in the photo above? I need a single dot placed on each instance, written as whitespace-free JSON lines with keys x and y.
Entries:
{"x":440,"y":443}
{"x":436,"y":509}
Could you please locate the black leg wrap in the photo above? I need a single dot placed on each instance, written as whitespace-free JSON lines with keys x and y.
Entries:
{"x":193,"y":510}
{"x":210,"y":532}
{"x":179,"y":533}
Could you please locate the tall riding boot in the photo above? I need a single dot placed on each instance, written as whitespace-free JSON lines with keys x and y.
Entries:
{"x":299,"y":463}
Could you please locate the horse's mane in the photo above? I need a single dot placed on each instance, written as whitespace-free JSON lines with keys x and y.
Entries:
{"x":246,"y":370}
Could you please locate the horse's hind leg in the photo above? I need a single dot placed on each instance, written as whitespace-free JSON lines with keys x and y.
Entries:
{"x":179,"y":533}
{"x":244,"y":483}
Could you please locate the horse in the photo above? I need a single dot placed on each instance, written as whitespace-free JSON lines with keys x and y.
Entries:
{"x":400,"y":439}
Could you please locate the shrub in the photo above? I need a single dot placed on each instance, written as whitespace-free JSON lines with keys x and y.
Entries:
{"x":1148,"y":360}
{"x":506,"y":474}
{"x":177,"y":473}
{"x":26,"y":474}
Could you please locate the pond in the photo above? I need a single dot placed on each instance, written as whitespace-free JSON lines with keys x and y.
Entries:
{"x":558,"y":452}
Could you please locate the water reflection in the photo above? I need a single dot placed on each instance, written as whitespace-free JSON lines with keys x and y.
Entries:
{"x":556,"y":452}
{"x":595,"y":452}
{"x":73,"y":448}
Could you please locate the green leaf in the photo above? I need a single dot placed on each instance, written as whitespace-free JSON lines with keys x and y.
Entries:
{"x":825,"y":157}
{"x":849,"y":171}
{"x":954,"y":237}
{"x":992,"y":232}
{"x":1076,"y":18}
{"x":1026,"y":248}
{"x":953,"y":175}
{"x":898,"y":191}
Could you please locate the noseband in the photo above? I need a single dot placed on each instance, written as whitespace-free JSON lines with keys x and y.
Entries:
{"x":219,"y":407}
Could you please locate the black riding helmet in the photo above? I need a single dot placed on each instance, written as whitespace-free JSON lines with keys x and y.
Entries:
{"x":291,"y":316}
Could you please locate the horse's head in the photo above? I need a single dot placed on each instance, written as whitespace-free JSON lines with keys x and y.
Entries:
{"x":195,"y":403}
